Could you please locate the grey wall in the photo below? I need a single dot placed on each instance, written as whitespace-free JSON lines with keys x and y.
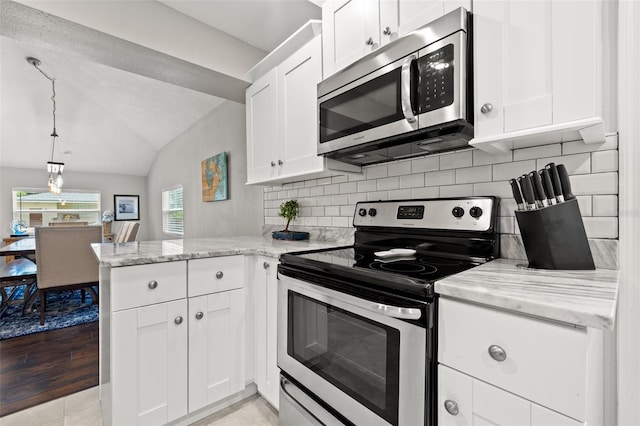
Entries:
{"x":178,"y":163}
{"x":107,"y":184}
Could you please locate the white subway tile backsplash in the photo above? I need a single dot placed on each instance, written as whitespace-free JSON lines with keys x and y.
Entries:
{"x":456,"y":190}
{"x":377,"y":171}
{"x":349,"y":187}
{"x":325,"y":221}
{"x":595,"y":184}
{"x":501,"y":189}
{"x":317,"y":190}
{"x":367,"y":186}
{"x":283,"y":194}
{"x":584,"y":203}
{"x":324,"y":181}
{"x":576,"y":164}
{"x":378,"y":196}
{"x":332,"y":210}
{"x":543,"y":151}
{"x":339,"y":179}
{"x":400,"y":194}
{"x":575,"y":147}
{"x":605,"y":205}
{"x":604,"y":161}
{"x":340,"y":222}
{"x":298,"y":185}
{"x":426,"y":192}
{"x":415,"y":180}
{"x":324,"y":200}
{"x":347,"y":210}
{"x":444,"y":177}
{"x":425,"y":164}
{"x":387,"y":184}
{"x":508,"y":171}
{"x":317,"y":211}
{"x":507,"y":207}
{"x":304,"y":192}
{"x":481,"y":158}
{"x":311,"y":182}
{"x":399,"y":168}
{"x":473,"y":174}
{"x":601,"y":227}
{"x":334,"y":188}
{"x":356,"y":198}
{"x":292,"y":193}
{"x":456,"y":160}
{"x":506,"y":224}
{"x":340,"y":199}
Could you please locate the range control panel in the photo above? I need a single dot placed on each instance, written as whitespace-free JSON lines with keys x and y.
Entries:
{"x":459,"y":214}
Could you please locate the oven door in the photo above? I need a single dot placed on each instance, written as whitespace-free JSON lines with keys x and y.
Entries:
{"x":353,"y":354}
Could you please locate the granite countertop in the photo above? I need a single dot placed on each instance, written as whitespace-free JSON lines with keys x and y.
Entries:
{"x":584,"y":298}
{"x":144,"y":252}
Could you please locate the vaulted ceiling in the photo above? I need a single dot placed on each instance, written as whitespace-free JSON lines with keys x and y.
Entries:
{"x":130,"y":75}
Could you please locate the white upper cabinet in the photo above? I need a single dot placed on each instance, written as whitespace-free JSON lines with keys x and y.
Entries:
{"x":282,"y":119}
{"x":353,"y":28}
{"x":537,"y":67}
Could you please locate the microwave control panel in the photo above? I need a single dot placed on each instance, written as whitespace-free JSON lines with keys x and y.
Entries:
{"x":435,"y":79}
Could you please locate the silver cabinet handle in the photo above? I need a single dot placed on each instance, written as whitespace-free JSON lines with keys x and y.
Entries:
{"x":153,"y":284}
{"x":369,"y":41}
{"x":178,"y":320}
{"x":405,"y":90}
{"x":273,"y":164}
{"x":266,"y":265}
{"x":387,"y":31}
{"x":280,"y":163}
{"x":497,"y":353}
{"x":451,"y":407}
{"x":219,"y":274}
{"x":486,"y":108}
{"x":199,"y":315}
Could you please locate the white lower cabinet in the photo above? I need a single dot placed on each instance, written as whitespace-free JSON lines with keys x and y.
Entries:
{"x":164,"y":355}
{"x":504,"y":368}
{"x":463,"y":400}
{"x":216,"y":347}
{"x":265,"y":355}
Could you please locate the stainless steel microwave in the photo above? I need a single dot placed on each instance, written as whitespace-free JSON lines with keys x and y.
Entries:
{"x":411,"y":97}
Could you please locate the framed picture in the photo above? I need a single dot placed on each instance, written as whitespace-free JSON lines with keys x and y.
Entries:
{"x":214,"y":178}
{"x":126,"y":207}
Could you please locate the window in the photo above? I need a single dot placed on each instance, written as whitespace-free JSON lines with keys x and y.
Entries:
{"x":172,"y":214}
{"x":39,"y":207}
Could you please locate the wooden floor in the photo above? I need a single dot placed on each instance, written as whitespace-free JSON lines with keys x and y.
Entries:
{"x":44,"y":366}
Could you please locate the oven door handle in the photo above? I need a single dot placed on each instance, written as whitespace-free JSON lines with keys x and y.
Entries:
{"x":395,"y":311}
{"x":405,"y":90}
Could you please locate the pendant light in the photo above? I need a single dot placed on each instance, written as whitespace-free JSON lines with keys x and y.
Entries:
{"x":54,"y":168}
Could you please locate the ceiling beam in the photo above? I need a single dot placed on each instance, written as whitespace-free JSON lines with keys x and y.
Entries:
{"x":41,"y":29}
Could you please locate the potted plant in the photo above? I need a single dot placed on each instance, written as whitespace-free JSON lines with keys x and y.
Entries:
{"x":289,"y":210}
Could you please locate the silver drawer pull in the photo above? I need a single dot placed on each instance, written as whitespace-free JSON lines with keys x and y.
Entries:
{"x":266,"y":265}
{"x":199,"y":315}
{"x":153,"y":284}
{"x":451,"y":407}
{"x":178,"y":320}
{"x":497,"y":353}
{"x":219,"y":274}
{"x":486,"y":108}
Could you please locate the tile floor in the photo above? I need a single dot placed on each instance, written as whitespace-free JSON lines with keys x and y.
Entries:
{"x":83,"y":409}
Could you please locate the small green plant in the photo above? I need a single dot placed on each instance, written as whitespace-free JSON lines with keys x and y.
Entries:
{"x":289,"y":210}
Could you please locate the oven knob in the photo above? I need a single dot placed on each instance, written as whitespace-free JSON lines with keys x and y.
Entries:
{"x":475,"y":212}
{"x":373,"y":212}
{"x":362,"y":212}
{"x":457,"y":212}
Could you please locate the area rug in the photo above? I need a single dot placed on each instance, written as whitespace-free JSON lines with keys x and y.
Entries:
{"x":64,"y":309}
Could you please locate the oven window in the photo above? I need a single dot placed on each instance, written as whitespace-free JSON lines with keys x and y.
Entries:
{"x":357,"y":355}
{"x":372,"y":104}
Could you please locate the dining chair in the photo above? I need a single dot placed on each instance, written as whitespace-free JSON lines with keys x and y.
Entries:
{"x":127,"y":232}
{"x":66,"y":261}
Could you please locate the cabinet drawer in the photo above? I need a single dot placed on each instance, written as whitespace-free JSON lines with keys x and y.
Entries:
{"x":215,"y":274}
{"x":142,"y":285}
{"x":544,"y":362}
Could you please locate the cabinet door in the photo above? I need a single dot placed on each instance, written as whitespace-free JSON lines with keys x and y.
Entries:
{"x":400,"y":17}
{"x":265,"y":330}
{"x":262,"y":138}
{"x":350,"y":31}
{"x":149,"y":364}
{"x":216,"y":347}
{"x":298,"y":77}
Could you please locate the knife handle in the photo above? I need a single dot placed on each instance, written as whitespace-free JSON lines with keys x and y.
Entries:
{"x":527,"y":191}
{"x":547,"y":185}
{"x":537,"y":189}
{"x":516,"y":193}
{"x":564,"y":181}
{"x":555,"y":181}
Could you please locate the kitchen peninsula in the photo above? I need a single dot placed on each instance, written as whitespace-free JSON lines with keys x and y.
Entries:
{"x":178,"y":339}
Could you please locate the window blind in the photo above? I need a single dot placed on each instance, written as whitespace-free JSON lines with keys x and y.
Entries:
{"x":172,"y":211}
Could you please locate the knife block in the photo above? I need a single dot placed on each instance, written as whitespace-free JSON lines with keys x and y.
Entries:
{"x":554,"y":237}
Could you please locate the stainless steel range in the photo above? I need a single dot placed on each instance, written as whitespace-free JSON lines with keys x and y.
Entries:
{"x":357,"y":325}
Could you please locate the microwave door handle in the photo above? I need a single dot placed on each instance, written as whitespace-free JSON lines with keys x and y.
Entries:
{"x":405,"y":90}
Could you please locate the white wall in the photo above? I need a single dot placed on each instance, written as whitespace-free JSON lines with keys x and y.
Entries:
{"x":107,"y":184}
{"x":179,"y":163}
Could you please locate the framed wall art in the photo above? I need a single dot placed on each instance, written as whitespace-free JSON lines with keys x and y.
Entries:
{"x":127,"y":207}
{"x":214,"y":178}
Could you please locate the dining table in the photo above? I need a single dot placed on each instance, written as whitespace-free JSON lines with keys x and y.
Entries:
{"x":21,"y":271}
